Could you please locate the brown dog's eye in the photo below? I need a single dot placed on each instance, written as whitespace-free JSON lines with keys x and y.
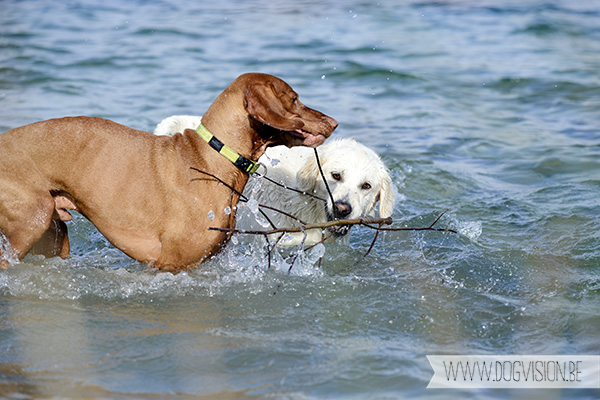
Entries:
{"x":336,"y":176}
{"x":366,"y":186}
{"x":294,"y":99}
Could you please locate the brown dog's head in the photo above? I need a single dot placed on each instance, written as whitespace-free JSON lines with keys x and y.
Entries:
{"x":278,"y":115}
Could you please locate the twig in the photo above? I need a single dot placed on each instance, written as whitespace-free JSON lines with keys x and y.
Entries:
{"x":281,"y":212}
{"x":298,"y":252}
{"x":281,"y":185}
{"x":245,"y":199}
{"x":323,"y":239}
{"x":429,"y":228}
{"x":324,"y":180}
{"x":272,"y":248}
{"x":373,"y":242}
{"x":340,"y":222}
{"x":337,"y":222}
{"x":218,"y":180}
{"x":267,"y":218}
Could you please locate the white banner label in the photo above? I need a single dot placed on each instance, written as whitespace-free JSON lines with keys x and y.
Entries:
{"x":515,"y":372}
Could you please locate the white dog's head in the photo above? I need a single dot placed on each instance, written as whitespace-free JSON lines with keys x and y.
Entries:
{"x":356,"y":176}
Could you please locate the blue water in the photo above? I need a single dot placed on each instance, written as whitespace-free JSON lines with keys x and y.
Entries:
{"x":488,"y":109}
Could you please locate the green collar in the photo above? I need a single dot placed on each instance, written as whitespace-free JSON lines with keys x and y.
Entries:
{"x":244,"y":164}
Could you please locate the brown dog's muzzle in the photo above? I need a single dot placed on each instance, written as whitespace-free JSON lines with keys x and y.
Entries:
{"x":315,"y":131}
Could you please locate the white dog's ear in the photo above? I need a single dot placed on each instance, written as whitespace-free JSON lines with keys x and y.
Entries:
{"x":386,"y":198}
{"x":308,"y":175}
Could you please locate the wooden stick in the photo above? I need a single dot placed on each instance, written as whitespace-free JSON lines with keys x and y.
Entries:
{"x":328,"y":224}
{"x":304,"y":227}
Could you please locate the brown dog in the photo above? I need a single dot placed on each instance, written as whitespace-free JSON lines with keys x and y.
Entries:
{"x":139,"y":189}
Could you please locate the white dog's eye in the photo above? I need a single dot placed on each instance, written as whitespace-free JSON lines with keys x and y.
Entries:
{"x":366,"y":186}
{"x":336,"y":176}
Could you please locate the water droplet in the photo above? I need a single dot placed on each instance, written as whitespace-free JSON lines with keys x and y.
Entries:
{"x":227,"y":210}
{"x":322,"y":76}
{"x":274,"y":162}
{"x":253,"y":205}
{"x":319,"y":250}
{"x":211,"y":215}
{"x":262,"y":221}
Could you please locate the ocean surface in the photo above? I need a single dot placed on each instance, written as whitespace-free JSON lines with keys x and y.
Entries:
{"x":487,"y":109}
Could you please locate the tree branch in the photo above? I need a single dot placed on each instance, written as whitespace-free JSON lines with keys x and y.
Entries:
{"x":368,"y":222}
{"x":328,"y":224}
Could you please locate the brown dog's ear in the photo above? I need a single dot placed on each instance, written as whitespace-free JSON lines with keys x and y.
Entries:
{"x":265,"y":106}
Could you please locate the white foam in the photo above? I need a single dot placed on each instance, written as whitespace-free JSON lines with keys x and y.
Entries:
{"x":472,"y":229}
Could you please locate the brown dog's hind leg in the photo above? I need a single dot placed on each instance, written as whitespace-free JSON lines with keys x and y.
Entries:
{"x":54,"y":242}
{"x":32,"y":220}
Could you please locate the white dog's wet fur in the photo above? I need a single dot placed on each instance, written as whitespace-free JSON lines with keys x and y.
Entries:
{"x":356,"y":176}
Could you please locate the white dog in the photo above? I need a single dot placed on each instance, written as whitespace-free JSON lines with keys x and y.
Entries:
{"x":356,"y":176}
{"x":177,"y":123}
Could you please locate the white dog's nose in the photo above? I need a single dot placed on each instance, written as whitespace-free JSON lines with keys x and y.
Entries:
{"x":341,"y":209}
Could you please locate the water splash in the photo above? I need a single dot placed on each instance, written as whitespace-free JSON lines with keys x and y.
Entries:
{"x":252,"y":205}
{"x":472,"y":229}
{"x":262,"y":221}
{"x":109,"y":274}
{"x":6,"y":251}
{"x":319,"y":250}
